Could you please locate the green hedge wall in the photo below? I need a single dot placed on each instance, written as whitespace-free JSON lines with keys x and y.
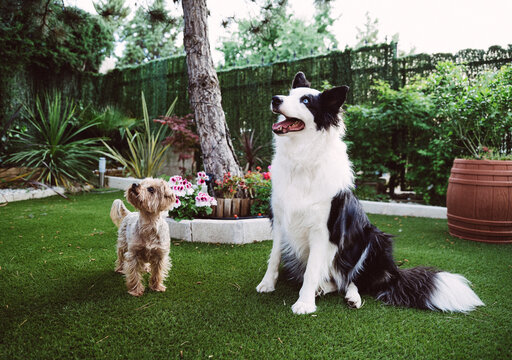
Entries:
{"x":246,"y":91}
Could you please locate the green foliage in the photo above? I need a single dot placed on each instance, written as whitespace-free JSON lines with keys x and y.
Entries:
{"x":423,"y":126}
{"x":276,"y":35}
{"x":52,"y":37}
{"x":151,"y":34}
{"x":52,"y":147}
{"x":477,"y":111}
{"x":112,"y":124}
{"x":259,"y":188}
{"x":472,"y":118}
{"x":146,"y":149}
{"x":401,"y":118}
{"x":113,"y":11}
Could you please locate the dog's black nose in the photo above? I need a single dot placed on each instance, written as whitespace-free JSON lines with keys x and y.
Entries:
{"x":135,"y":186}
{"x":276,"y":101}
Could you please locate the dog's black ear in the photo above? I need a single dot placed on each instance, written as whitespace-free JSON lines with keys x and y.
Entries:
{"x":300,"y":81}
{"x":332,"y":99}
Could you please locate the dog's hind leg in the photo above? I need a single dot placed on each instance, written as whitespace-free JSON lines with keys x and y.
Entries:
{"x":352,"y":296}
{"x":268,"y":283}
{"x":326,"y":287}
{"x":121,"y":250}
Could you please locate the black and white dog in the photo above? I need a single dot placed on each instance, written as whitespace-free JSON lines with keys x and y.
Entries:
{"x":320,"y":231}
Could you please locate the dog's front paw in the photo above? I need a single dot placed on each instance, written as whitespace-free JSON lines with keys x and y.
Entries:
{"x":136,"y":292}
{"x":266,"y":286}
{"x":158,"y":287}
{"x":353,"y":299}
{"x":301,"y":307}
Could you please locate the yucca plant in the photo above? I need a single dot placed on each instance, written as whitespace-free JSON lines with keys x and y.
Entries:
{"x":52,"y":147}
{"x":146,"y":151}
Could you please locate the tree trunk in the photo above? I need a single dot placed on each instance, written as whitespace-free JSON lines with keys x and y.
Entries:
{"x":204,"y":93}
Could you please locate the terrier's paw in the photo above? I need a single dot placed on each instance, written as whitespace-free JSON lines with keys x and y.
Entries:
{"x":300,"y":308}
{"x":136,"y":292}
{"x":158,"y":287}
{"x":353,"y":300}
{"x":266,"y":286}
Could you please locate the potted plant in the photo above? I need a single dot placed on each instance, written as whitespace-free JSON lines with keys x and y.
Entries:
{"x":478,"y":112}
{"x":242,"y":196}
{"x":192,"y":200}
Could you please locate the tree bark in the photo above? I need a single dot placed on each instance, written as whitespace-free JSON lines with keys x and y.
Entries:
{"x":204,"y":93}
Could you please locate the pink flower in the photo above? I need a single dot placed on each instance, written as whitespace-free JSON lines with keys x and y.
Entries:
{"x":203,"y":199}
{"x":177,"y":204}
{"x":175,"y":180}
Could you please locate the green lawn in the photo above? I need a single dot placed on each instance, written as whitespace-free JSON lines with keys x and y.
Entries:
{"x":60,"y":297}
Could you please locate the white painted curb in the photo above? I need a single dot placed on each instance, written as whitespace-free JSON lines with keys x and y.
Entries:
{"x":241,"y":231}
{"x":401,"y":209}
{"x":29,"y":194}
{"x":121,"y":183}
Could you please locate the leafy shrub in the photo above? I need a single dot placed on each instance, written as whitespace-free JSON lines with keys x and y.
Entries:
{"x":183,"y":139}
{"x":416,"y":132}
{"x":382,"y":137}
{"x":52,"y":36}
{"x":52,"y":147}
{"x":146,"y":148}
{"x":477,"y":111}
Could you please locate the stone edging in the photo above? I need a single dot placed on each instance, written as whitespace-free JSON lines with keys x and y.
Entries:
{"x":28,"y":194}
{"x":241,"y":231}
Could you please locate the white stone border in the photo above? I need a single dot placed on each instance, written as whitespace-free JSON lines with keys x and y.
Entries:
{"x":241,"y":231}
{"x":28,"y":194}
{"x":121,"y":183}
{"x":404,"y":209}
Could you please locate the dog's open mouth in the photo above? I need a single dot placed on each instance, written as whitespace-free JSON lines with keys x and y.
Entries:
{"x":288,"y":125}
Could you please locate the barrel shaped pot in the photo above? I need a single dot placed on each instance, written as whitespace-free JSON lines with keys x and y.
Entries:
{"x":228,"y":208}
{"x":479,"y":200}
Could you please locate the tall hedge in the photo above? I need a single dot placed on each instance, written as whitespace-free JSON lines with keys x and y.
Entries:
{"x":246,"y":91}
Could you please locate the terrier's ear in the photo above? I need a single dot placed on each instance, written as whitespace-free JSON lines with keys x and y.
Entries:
{"x":332,"y":99}
{"x":300,"y":81}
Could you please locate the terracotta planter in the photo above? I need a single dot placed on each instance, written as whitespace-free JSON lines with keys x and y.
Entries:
{"x":479,"y":200}
{"x":227,"y":208}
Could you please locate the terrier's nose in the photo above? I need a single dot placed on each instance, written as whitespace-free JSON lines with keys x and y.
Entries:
{"x":276,"y":101}
{"x":135,"y":186}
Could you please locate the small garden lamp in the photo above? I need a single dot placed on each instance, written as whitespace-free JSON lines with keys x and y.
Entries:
{"x":101,"y":170}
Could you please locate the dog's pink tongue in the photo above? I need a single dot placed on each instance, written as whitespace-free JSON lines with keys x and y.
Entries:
{"x":287,"y":125}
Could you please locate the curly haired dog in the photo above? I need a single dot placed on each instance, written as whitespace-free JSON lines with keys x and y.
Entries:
{"x":143,"y":236}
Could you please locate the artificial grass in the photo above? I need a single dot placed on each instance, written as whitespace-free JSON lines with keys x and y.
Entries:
{"x":60,"y":297}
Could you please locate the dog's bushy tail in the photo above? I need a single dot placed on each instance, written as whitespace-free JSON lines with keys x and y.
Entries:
{"x":118,"y":212}
{"x":427,"y":288}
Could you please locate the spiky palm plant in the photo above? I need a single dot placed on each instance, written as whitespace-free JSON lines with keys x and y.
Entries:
{"x":146,"y":151}
{"x":52,"y":148}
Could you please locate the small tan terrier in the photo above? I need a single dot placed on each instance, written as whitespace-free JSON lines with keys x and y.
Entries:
{"x":143,"y":240}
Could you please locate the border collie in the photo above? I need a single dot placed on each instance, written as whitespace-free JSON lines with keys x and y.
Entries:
{"x":320,"y":232}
